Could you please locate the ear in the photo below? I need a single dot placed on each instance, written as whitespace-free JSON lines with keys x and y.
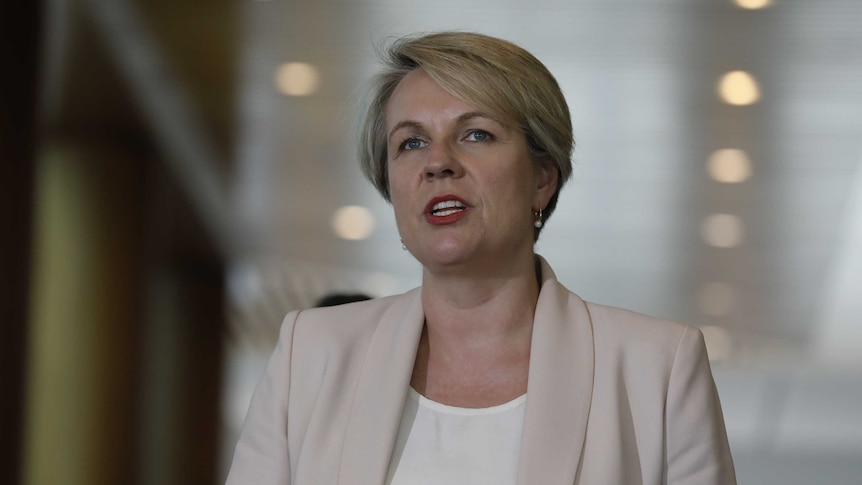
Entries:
{"x":547,"y":178}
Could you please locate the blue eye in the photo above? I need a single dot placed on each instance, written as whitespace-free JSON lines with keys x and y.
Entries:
{"x":412,"y":144}
{"x":479,"y":135}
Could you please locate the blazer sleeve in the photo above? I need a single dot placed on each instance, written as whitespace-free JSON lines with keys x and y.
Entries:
{"x":697,"y":449}
{"x":261,"y":454}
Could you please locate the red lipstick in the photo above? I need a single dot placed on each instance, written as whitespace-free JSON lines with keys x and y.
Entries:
{"x":445,"y":209}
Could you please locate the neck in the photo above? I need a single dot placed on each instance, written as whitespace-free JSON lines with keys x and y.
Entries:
{"x":475,"y":347}
{"x":465,"y":308}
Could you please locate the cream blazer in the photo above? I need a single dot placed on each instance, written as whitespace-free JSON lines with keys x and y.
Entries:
{"x":613,"y":397}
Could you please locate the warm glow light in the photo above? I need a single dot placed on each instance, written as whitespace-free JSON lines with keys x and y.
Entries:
{"x":753,"y":4}
{"x":718,"y":342}
{"x":738,"y":88}
{"x":716,"y":299}
{"x":297,"y":79}
{"x":729,"y":165}
{"x":722,"y":230}
{"x":353,"y":222}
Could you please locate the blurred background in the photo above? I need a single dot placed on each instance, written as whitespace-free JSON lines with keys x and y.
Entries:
{"x":177,"y":175}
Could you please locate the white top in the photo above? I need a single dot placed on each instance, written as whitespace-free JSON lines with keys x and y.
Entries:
{"x":446,"y":445}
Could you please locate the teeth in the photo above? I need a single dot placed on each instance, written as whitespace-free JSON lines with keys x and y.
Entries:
{"x":447,"y":207}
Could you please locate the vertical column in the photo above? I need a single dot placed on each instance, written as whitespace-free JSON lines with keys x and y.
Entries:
{"x":85,"y":309}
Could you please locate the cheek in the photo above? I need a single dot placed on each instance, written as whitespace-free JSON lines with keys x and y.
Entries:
{"x":514,"y":185}
{"x":402,"y":182}
{"x":396,"y":188}
{"x":399,"y":195}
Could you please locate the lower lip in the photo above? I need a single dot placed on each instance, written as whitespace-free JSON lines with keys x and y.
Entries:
{"x":447,"y":219}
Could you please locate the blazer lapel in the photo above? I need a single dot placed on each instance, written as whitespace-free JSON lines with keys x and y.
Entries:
{"x":560,"y":386}
{"x":380,"y":393}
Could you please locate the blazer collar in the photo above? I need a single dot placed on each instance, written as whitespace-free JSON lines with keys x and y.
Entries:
{"x":559,"y":389}
{"x":381,"y":392}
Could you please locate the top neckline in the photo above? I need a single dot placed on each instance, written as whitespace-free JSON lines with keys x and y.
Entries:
{"x":445,"y":408}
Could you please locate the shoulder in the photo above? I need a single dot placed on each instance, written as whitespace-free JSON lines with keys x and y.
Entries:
{"x":624,"y":333}
{"x":623,"y":322}
{"x":347,"y":323}
{"x":613,"y":328}
{"x":646,"y":355}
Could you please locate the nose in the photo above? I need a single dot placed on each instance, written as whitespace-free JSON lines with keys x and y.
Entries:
{"x":442,"y":162}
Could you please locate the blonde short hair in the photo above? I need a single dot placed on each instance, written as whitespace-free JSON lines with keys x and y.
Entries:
{"x":498,"y":77}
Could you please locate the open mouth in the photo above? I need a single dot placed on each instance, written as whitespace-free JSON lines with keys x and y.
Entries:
{"x":447,"y":207}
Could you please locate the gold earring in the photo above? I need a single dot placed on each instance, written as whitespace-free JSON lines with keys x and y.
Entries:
{"x":538,"y":223}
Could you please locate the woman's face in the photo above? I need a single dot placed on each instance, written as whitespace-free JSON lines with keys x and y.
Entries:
{"x":463,"y":186}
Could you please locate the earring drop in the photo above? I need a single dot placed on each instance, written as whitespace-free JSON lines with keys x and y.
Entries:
{"x":538,"y":223}
{"x":403,"y":246}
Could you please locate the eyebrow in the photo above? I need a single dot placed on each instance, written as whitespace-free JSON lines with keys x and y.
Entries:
{"x":416,"y":125}
{"x":403,"y":124}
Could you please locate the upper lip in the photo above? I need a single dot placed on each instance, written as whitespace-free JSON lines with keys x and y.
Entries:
{"x":429,"y":207}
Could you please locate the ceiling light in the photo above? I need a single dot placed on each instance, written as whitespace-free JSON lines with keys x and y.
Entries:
{"x":297,"y":79}
{"x":753,"y":4}
{"x":729,"y":165}
{"x":738,"y":88}
{"x":353,"y":222}
{"x":722,"y":230}
{"x":716,"y":299}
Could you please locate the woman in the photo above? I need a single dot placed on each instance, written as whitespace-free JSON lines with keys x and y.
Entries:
{"x":492,"y":372}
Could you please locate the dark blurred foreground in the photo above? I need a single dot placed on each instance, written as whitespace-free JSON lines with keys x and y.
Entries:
{"x":111,"y":279}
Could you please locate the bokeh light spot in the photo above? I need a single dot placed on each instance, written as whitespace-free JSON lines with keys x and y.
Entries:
{"x":297,"y":79}
{"x":723,"y":230}
{"x":353,"y":222}
{"x":729,"y":165}
{"x":738,"y":88}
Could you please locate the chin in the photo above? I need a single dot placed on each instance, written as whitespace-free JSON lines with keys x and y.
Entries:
{"x":445,"y":256}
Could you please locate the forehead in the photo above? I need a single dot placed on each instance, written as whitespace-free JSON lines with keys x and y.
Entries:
{"x":419,"y":98}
